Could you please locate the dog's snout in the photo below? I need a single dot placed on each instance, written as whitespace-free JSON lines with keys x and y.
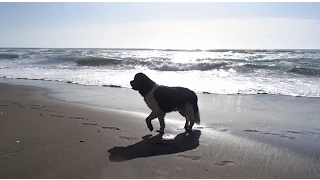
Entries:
{"x":132,"y":84}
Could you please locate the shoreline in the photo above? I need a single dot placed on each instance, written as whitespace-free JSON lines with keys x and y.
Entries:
{"x":117,"y":86}
{"x":282,"y":121}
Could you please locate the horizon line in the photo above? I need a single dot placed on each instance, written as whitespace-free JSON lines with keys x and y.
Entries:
{"x":194,"y":49}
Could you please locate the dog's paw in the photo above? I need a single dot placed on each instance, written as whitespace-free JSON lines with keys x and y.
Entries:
{"x":150,"y":126}
{"x":160,"y":131}
{"x":188,"y":129}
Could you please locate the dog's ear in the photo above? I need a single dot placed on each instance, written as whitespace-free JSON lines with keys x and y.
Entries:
{"x":140,"y":77}
{"x":134,"y":85}
{"x":138,"y":82}
{"x":142,"y":83}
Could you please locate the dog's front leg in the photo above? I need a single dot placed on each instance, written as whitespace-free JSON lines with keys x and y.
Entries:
{"x":152,"y":116}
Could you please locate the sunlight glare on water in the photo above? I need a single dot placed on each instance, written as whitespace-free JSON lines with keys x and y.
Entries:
{"x":226,"y":71}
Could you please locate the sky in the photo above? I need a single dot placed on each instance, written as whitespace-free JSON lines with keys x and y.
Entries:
{"x":161,"y":25}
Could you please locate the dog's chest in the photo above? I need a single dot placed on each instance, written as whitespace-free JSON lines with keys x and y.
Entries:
{"x":151,"y":102}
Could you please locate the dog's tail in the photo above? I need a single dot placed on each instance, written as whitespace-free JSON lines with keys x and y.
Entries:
{"x":196,"y":114}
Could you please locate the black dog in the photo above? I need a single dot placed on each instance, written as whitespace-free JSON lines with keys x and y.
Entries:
{"x":163,"y":99}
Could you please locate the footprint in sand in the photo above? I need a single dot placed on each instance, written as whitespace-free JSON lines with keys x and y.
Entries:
{"x":294,"y":132}
{"x":222,"y":129}
{"x":190,"y":157}
{"x":90,"y":124}
{"x":56,"y":115}
{"x":35,"y":105}
{"x":276,"y":134}
{"x":287,"y":137}
{"x":76,"y":118}
{"x":224,"y":163}
{"x":112,"y":128}
{"x":127,"y":138}
{"x":310,"y":132}
{"x":50,"y":111}
{"x":251,"y":130}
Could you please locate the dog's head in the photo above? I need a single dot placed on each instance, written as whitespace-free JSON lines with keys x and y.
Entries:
{"x":142,"y":83}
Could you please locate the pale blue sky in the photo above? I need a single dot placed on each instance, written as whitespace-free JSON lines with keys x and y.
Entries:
{"x":160,"y":25}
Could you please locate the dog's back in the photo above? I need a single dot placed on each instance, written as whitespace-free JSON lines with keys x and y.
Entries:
{"x":173,"y":98}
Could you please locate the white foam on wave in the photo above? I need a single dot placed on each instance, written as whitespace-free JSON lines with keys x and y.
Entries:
{"x":200,"y":71}
{"x":219,"y":81}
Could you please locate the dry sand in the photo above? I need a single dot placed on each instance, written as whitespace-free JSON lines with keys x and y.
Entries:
{"x":45,"y":138}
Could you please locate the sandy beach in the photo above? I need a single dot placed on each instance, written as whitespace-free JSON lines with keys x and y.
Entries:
{"x":45,"y":138}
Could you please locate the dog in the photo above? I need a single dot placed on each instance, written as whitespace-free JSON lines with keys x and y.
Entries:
{"x":164,"y":99}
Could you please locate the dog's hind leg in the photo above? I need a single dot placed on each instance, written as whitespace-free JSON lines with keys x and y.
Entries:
{"x":182,"y":111}
{"x":186,"y":125}
{"x":162,"y":123}
{"x":189,"y":116}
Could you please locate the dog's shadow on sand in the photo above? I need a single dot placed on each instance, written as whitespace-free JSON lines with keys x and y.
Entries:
{"x":155,"y":146}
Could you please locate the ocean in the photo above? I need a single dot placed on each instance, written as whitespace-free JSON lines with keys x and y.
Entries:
{"x":246,"y":93}
{"x":221,"y":71}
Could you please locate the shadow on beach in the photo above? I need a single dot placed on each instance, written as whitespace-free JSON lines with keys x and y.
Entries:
{"x":155,"y":146}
